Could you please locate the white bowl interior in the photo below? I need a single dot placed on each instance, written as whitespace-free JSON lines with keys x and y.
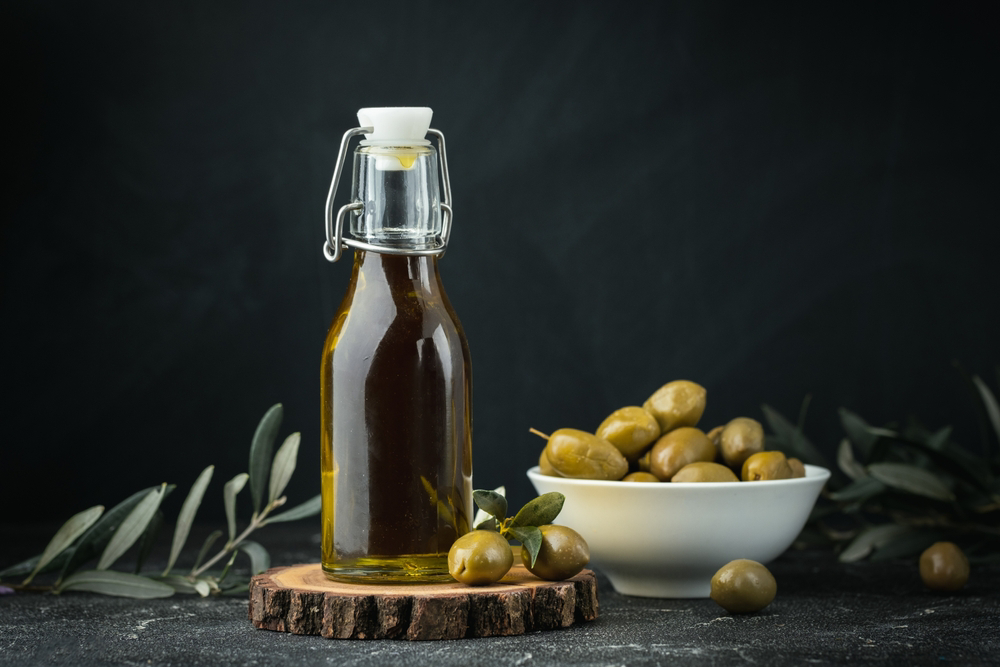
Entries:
{"x":667,"y":540}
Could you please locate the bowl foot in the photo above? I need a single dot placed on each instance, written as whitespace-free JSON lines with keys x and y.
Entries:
{"x":661,"y":587}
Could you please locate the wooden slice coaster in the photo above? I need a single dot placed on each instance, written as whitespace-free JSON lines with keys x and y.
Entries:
{"x":300,"y":599}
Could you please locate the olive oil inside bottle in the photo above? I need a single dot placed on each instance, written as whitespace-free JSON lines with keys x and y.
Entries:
{"x":396,"y":425}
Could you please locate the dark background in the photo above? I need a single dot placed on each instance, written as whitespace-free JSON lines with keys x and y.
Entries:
{"x":772,"y":201}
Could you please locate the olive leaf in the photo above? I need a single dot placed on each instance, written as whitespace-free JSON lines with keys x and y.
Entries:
{"x":489,"y":523}
{"x":187,"y":514}
{"x":491,"y":502}
{"x":27,"y":565}
{"x":865,"y":487}
{"x":206,"y":545}
{"x":131,"y":527}
{"x":229,"y":493}
{"x":283,"y":466}
{"x":309,"y":508}
{"x":260,"y":452}
{"x":179,"y":583}
{"x":482,"y":516}
{"x":148,"y":539}
{"x":847,"y":462}
{"x":794,"y":441}
{"x":990,"y":404}
{"x":530,"y":538}
{"x":260,"y":560}
{"x":908,"y":544}
{"x":871,"y":538}
{"x":912,"y":479}
{"x":65,"y":536}
{"x":540,"y":511}
{"x":858,"y":430}
{"x":110,"y":582}
{"x":98,"y":535}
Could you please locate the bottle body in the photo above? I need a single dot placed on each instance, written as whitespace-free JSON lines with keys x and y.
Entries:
{"x":396,"y":425}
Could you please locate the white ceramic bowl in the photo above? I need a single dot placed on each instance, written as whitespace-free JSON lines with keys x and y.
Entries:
{"x":667,"y":540}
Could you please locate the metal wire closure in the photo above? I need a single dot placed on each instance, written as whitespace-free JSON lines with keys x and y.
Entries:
{"x":336,"y":243}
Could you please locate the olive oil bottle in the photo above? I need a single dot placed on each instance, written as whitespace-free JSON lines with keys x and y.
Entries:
{"x":396,"y":386}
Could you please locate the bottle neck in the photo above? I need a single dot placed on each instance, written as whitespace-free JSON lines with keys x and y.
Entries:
{"x":400,"y":276}
{"x":398,"y":189}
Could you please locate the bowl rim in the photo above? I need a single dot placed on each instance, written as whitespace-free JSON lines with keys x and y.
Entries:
{"x":814,"y":474}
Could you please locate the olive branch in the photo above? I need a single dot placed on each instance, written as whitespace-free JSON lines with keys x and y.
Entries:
{"x":898,"y":489}
{"x":137,"y":520}
{"x":523,"y":526}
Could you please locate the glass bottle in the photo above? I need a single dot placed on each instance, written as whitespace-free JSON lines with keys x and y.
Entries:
{"x":396,"y":374}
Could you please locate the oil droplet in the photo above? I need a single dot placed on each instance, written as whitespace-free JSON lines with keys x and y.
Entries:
{"x":407,"y":160}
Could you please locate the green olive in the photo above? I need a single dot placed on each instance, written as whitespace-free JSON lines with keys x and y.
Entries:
{"x":798,"y":468}
{"x":944,"y":567}
{"x":480,"y":557}
{"x":704,"y":471}
{"x":677,"y":449}
{"x":545,"y":467}
{"x":632,"y":430}
{"x":743,"y":586}
{"x":766,"y":465}
{"x":741,"y":438}
{"x":675,"y":404}
{"x":578,"y":454}
{"x":563,"y":554}
{"x":641,"y":477}
{"x":714,"y":435}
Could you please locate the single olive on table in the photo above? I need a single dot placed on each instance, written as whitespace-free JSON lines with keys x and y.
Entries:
{"x":743,"y":586}
{"x":480,"y":557}
{"x":944,"y":567}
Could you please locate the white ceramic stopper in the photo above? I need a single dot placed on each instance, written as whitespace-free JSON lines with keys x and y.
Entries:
{"x":406,"y":125}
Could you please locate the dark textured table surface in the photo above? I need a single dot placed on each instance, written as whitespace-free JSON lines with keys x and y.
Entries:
{"x":825,"y":613}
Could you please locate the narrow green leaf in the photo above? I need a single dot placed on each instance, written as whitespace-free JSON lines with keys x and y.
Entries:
{"x":540,"y":511}
{"x":148,"y":539}
{"x":489,"y":523}
{"x":131,"y":527}
{"x":187,"y":514}
{"x":260,"y":453}
{"x":858,"y":430}
{"x":202,"y":587}
{"x":260,"y":560}
{"x":309,"y":508}
{"x":491,"y":502}
{"x":206,"y":545}
{"x":229,"y":493}
{"x":530,"y":538}
{"x":179,"y":583}
{"x":283,"y":466}
{"x":989,"y":404}
{"x":481,"y":516}
{"x":94,"y":540}
{"x":65,"y":536}
{"x":237,"y":590}
{"x":110,"y":582}
{"x":870,"y":539}
{"x":862,"y":488}
{"x":847,"y":462}
{"x":939,"y":440}
{"x":911,"y":479}
{"x":794,"y":442}
{"x":28,"y":565}
{"x":909,"y":544}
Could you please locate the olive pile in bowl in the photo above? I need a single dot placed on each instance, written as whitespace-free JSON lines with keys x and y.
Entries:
{"x":669,"y":539}
{"x":660,"y":442}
